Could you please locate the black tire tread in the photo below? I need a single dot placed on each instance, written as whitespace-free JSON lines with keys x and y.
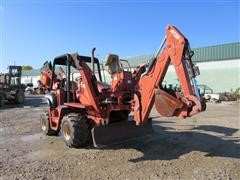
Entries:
{"x":80,"y":130}
{"x":17,"y":100}
{"x":2,"y":100}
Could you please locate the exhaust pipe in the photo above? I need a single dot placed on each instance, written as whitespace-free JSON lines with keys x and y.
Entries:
{"x":92,"y":60}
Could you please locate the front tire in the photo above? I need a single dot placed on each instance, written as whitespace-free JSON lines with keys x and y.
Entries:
{"x":19,"y":99}
{"x":75,"y":130}
{"x":45,"y":125}
{"x":2,"y":100}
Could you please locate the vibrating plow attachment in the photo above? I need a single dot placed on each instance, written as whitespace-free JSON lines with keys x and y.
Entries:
{"x":119,"y":132}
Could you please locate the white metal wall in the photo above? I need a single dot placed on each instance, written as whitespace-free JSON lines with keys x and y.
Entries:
{"x":221,"y":76}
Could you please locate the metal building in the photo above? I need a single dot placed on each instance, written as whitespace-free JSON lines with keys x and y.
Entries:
{"x":219,"y":67}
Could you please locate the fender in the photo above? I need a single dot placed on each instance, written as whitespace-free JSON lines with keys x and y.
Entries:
{"x":51,"y":99}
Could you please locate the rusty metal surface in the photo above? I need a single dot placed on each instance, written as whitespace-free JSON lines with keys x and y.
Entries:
{"x":119,"y":132}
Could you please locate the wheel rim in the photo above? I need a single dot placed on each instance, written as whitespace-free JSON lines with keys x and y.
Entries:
{"x":43,"y":124}
{"x":66,"y":131}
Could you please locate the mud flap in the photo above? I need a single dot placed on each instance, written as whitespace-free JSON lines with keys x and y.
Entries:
{"x":119,"y":132}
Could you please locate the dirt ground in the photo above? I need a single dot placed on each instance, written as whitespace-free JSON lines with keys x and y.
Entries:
{"x":206,"y":146}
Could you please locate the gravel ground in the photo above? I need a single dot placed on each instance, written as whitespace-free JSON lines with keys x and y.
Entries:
{"x":205,"y":146}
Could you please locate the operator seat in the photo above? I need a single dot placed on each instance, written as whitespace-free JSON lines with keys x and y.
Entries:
{"x":121,"y":79}
{"x":103,"y":87}
{"x":112,"y":63}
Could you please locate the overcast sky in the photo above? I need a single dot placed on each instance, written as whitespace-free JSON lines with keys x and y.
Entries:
{"x":35,"y":31}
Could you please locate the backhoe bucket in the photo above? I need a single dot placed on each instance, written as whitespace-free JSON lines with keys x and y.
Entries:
{"x":119,"y":132}
{"x":166,"y":104}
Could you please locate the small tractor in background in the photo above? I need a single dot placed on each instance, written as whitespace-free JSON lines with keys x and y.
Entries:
{"x":81,"y":105}
{"x":11,"y":88}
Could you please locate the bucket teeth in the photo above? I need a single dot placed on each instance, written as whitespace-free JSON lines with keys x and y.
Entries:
{"x":119,"y":132}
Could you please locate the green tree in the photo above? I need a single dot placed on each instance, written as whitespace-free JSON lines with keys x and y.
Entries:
{"x":27,"y":68}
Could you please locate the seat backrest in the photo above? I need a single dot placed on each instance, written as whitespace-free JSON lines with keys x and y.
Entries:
{"x":112,"y":63}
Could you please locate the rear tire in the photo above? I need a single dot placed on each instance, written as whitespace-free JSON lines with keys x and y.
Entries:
{"x":75,"y":130}
{"x":19,"y":99}
{"x":45,"y":125}
{"x":2,"y":100}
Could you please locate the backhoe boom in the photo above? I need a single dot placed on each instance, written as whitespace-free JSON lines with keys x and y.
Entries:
{"x":187,"y":103}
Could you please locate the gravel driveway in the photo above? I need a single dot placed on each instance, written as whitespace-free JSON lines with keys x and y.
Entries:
{"x":205,"y":146}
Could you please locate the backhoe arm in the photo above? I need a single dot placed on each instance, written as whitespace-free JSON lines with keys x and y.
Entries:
{"x":184,"y":104}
